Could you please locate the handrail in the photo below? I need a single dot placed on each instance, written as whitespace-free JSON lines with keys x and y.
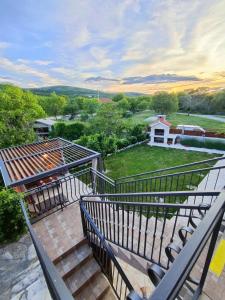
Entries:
{"x":174,"y":279}
{"x":56,"y":285}
{"x":157,"y":194}
{"x":174,"y":174}
{"x":49,"y":184}
{"x":172,"y":168}
{"x":150,"y":204}
{"x":103,"y":176}
{"x":109,"y":251}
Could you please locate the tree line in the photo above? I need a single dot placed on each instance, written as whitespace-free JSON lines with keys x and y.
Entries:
{"x":97,"y":121}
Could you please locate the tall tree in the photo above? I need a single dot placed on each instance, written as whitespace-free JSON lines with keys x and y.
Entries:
{"x":165,"y":103}
{"x":54,"y":104}
{"x":18,"y":110}
{"x":118,"y":97}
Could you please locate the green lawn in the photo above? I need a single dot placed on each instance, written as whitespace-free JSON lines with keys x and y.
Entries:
{"x":144,"y":158}
{"x":140,"y":117}
{"x":210,"y":125}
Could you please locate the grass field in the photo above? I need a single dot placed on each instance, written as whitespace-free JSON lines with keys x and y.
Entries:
{"x":144,"y":158}
{"x":140,"y":117}
{"x":210,"y":125}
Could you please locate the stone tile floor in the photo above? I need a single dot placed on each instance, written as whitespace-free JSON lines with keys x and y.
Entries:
{"x":21,"y":276}
{"x":60,"y":231}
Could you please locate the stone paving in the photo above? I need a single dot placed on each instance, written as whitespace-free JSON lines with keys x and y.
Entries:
{"x":21,"y":275}
{"x":60,"y":231}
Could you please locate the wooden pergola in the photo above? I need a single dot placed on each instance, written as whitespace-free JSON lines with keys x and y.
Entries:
{"x":29,"y":163}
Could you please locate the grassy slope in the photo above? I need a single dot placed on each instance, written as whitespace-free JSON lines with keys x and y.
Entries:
{"x":140,"y":117}
{"x":210,"y":125}
{"x":144,"y":158}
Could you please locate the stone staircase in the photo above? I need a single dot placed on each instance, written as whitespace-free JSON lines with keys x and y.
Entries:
{"x":82,"y":274}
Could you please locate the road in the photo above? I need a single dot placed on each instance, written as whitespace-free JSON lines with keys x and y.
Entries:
{"x":211,"y":117}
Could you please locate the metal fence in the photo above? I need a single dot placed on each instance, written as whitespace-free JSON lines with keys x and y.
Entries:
{"x":203,"y":179}
{"x":180,"y":168}
{"x":146,"y":228}
{"x":200,"y":248}
{"x":106,"y":259}
{"x":56,"y":195}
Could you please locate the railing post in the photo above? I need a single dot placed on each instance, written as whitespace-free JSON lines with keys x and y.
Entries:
{"x":208,"y":258}
{"x":82,"y":218}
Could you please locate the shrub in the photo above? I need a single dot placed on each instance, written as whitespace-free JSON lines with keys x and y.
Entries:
{"x":122,"y":143}
{"x":203,"y":144}
{"x":12,"y":224}
{"x":68,"y":131}
{"x":132,"y":140}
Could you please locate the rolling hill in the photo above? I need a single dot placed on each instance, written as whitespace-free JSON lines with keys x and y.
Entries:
{"x":71,"y":91}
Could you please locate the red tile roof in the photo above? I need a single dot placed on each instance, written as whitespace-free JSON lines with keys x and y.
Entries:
{"x":105,"y":100}
{"x":162,"y":120}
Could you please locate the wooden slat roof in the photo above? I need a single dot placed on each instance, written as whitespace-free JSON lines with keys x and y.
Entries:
{"x":28,"y":163}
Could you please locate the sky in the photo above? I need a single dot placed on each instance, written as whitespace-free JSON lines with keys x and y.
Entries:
{"x":113,"y":45}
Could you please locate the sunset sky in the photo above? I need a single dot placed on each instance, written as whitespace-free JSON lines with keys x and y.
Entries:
{"x":113,"y":45}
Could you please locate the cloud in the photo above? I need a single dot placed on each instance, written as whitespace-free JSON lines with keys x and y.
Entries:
{"x":4,"y":45}
{"x":64,"y":71}
{"x":100,"y":79}
{"x":43,"y":62}
{"x":22,"y":69}
{"x":160,"y":78}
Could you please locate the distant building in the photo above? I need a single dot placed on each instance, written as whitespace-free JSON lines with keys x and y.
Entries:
{"x":105,"y":100}
{"x":160,"y":131}
{"x":43,"y":127}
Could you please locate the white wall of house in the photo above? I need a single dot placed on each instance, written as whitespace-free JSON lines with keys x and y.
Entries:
{"x":158,"y":138}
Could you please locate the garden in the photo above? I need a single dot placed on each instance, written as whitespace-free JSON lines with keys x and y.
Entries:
{"x":143,"y":158}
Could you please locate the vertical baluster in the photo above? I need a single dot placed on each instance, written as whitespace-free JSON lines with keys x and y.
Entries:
{"x":140,"y":225}
{"x":164,"y":212}
{"x":146,"y":231}
{"x":154,"y":233}
{"x":132,"y":237}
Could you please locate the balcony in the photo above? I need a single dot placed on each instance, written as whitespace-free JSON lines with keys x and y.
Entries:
{"x":92,"y":234}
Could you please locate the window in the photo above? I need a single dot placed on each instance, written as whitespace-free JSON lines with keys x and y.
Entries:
{"x":158,"y":140}
{"x":159,"y":131}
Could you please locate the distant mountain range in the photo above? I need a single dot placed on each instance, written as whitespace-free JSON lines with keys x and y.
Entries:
{"x":75,"y":91}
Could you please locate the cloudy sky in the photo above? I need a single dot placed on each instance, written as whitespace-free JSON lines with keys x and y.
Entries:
{"x":114,"y":45}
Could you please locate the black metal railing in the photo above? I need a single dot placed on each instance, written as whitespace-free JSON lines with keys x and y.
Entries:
{"x":104,"y":255}
{"x":56,"y":195}
{"x":56,"y":285}
{"x":200,"y":249}
{"x":145,"y":227}
{"x":180,"y":168}
{"x":203,"y":179}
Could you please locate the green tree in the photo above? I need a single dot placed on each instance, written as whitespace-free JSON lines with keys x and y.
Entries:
{"x":71,"y":108}
{"x":118,"y":97}
{"x":68,"y":131}
{"x":133,"y":101}
{"x":219,"y":100}
{"x":18,"y":110}
{"x":108,"y":120}
{"x":90,"y":105}
{"x":145,"y":102}
{"x":165,"y":103}
{"x":123,"y":104}
{"x":54,"y":104}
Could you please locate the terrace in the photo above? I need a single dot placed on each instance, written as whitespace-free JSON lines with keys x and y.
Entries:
{"x":98,"y":238}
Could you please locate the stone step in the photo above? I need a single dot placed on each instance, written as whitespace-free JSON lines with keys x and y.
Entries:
{"x":74,"y":260}
{"x":81,"y":278}
{"x":108,"y":295}
{"x":67,"y":252}
{"x":96,"y":289}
